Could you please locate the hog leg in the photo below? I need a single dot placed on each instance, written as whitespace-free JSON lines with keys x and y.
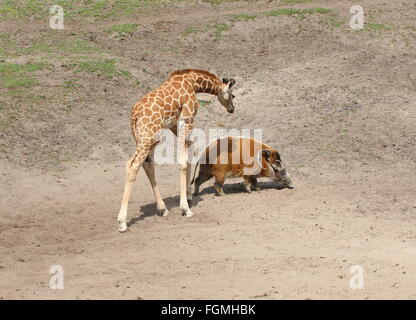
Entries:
{"x":200,"y":180}
{"x":247,"y":183}
{"x":254,"y":184}
{"x":219,"y":182}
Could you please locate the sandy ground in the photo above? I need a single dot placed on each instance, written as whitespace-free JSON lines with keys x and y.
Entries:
{"x":338,"y":104}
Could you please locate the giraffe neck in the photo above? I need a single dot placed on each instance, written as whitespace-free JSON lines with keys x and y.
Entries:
{"x":204,"y":82}
{"x":207,"y":83}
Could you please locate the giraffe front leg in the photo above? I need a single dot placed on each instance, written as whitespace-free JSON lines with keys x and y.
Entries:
{"x":184,"y":185}
{"x":188,"y":182}
{"x":185,"y":172}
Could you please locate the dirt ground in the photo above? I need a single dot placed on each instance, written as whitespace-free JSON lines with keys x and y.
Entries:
{"x":339,"y":104}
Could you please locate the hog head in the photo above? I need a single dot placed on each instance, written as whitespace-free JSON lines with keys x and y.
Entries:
{"x":272,"y":163}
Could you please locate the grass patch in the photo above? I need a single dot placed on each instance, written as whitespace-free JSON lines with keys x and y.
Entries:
{"x":336,"y":21}
{"x":372,"y":26}
{"x":242,"y":17}
{"x":126,"y":28}
{"x":294,"y":11}
{"x":219,"y":1}
{"x":17,"y":81}
{"x":22,"y":9}
{"x":76,"y":10}
{"x":219,"y":28}
{"x":204,"y":103}
{"x":44,"y":45}
{"x":77,"y":46}
{"x":70,"y":85}
{"x":16,"y":75}
{"x":29,"y":67}
{"x":295,"y":1}
{"x":192,"y":30}
{"x":105,"y":67}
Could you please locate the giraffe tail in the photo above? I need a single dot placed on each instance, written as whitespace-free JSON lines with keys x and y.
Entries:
{"x":193,"y":179}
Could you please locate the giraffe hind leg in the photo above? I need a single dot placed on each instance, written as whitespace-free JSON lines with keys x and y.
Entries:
{"x":132,"y":168}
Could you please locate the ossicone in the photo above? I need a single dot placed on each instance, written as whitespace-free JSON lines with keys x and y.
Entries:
{"x":229,"y":81}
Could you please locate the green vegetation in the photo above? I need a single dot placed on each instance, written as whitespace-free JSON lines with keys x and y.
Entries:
{"x":21,"y":9}
{"x":372,"y":26}
{"x":336,"y":21}
{"x":218,"y":1}
{"x":219,"y":28}
{"x":29,"y":67}
{"x":204,"y":102}
{"x":70,"y":85}
{"x":295,"y":1}
{"x":17,"y":81}
{"x":44,"y":45}
{"x":16,"y":75}
{"x":293,"y":11}
{"x":192,"y":30}
{"x":77,"y":46}
{"x":76,"y":10}
{"x":102,"y":67}
{"x":242,"y":17}
{"x":127,"y":28}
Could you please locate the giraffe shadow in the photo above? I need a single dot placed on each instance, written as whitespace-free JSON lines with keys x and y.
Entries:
{"x":150,"y":210}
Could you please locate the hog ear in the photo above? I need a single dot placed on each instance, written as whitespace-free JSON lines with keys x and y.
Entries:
{"x":267,"y":154}
{"x":263,"y":153}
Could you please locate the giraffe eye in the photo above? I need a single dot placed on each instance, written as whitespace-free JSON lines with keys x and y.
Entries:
{"x":232,"y":96}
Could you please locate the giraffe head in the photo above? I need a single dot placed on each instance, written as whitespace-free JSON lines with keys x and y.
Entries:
{"x":225,"y":95}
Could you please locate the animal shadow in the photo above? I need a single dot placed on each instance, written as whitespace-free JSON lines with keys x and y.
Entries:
{"x":150,"y":209}
{"x":236,"y":188}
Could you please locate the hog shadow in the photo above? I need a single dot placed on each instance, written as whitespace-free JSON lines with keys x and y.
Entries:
{"x":238,"y":187}
{"x":150,"y":209}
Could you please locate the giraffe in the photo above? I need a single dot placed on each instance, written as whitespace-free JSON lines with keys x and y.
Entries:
{"x":172,"y":103}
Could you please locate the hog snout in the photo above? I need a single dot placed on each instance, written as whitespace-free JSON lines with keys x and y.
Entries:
{"x":289,"y":184}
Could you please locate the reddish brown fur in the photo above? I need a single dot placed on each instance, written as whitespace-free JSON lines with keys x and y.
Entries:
{"x":221,"y":171}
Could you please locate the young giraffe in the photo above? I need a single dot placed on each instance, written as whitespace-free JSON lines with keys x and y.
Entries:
{"x":172,"y":103}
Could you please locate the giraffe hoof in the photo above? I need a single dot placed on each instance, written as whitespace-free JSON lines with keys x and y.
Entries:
{"x":122,"y":227}
{"x":188,"y":213}
{"x":163,"y":212}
